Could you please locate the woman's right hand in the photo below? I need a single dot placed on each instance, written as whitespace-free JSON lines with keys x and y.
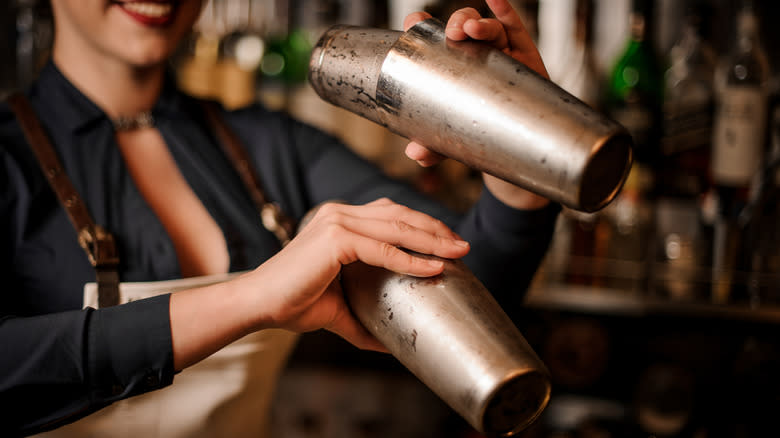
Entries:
{"x":298,"y":289}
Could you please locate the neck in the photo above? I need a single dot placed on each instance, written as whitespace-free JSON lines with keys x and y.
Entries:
{"x":117,"y":88}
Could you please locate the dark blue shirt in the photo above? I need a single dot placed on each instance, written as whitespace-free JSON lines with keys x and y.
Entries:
{"x":59,"y":362}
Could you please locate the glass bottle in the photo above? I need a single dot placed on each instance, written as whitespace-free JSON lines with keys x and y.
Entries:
{"x":763,"y":232}
{"x":579,"y":75}
{"x":587,"y":233}
{"x":688,"y":106}
{"x":683,"y":174}
{"x":241,"y":50}
{"x":197,"y":60}
{"x":633,"y":97}
{"x":286,"y":58}
{"x":284,"y":65}
{"x":738,"y":143}
{"x":634,"y":93}
{"x":740,"y":124}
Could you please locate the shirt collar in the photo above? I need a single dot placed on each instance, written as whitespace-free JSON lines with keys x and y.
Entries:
{"x":55,"y":93}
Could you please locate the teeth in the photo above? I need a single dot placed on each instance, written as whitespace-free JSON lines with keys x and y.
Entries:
{"x":154,"y":10}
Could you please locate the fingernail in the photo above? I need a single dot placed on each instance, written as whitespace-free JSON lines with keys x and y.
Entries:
{"x":435,"y":263}
{"x":461,"y":243}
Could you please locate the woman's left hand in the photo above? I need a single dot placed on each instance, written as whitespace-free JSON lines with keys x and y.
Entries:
{"x":507,"y":33}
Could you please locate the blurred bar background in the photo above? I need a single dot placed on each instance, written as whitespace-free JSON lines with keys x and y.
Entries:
{"x":657,"y":316}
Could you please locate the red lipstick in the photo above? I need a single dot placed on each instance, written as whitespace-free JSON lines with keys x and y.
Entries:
{"x":149,"y":12}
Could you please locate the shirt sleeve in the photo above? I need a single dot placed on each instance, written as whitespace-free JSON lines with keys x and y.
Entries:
{"x":507,"y":246}
{"x":57,"y":368}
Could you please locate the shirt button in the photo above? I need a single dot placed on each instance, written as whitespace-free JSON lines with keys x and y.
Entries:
{"x":151,"y":380}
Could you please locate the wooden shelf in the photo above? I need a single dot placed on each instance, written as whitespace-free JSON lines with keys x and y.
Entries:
{"x":611,"y":302}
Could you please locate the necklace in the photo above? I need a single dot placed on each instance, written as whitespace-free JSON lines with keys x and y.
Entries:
{"x":141,"y":120}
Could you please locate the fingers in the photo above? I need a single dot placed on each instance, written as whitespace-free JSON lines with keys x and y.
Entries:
{"x":488,"y":30}
{"x":454,"y":29}
{"x":422,"y":155}
{"x":399,"y":233}
{"x":374,"y":234}
{"x":334,"y":315}
{"x":505,"y":32}
{"x":417,"y":219}
{"x":467,"y":23}
{"x":517,"y":34}
{"x":353,"y":331}
{"x":414,"y":18}
{"x":519,"y":42}
{"x":387,"y":210}
{"x":388,"y":256}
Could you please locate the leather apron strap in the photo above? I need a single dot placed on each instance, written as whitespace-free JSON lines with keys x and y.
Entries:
{"x":272,"y":216}
{"x":98,"y":243}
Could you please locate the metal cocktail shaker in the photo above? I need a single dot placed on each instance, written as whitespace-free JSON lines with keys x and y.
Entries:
{"x":450,"y":332}
{"x":474,"y":103}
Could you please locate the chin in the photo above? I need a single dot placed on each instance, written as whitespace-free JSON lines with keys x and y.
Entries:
{"x":150,"y":61}
{"x":147,"y":55}
{"x":147,"y":44}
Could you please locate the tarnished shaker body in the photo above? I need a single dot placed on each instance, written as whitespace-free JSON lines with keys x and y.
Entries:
{"x":450,"y":332}
{"x":471,"y":102}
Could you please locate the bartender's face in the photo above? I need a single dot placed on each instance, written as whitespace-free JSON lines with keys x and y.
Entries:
{"x":141,"y":33}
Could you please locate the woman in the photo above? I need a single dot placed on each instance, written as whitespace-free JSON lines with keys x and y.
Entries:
{"x":176,"y":208}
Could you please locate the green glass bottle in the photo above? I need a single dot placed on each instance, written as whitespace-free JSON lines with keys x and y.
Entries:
{"x":634,"y":98}
{"x":634,"y":92}
{"x":287,"y":58}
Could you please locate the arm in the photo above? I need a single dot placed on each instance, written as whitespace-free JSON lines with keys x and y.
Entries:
{"x":507,"y":244}
{"x":279,"y":294}
{"x":59,"y":367}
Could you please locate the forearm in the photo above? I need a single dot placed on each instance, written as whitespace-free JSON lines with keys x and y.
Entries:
{"x":58,"y":367}
{"x":206,"y":319}
{"x":513,"y":196}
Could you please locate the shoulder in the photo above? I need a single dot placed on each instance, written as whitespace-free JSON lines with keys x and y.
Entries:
{"x":257,"y":116}
{"x":257,"y":123}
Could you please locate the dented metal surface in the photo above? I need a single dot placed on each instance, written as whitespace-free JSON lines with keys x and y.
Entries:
{"x":474,"y":103}
{"x":345,"y":64}
{"x":450,"y":332}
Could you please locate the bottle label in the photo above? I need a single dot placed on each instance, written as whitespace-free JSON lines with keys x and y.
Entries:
{"x":738,"y":141}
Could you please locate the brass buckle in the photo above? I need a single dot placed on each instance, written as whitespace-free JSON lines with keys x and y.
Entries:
{"x":99,"y":246}
{"x":271,"y":216}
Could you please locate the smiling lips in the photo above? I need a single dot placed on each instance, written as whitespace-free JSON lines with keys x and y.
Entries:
{"x":149,"y":12}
